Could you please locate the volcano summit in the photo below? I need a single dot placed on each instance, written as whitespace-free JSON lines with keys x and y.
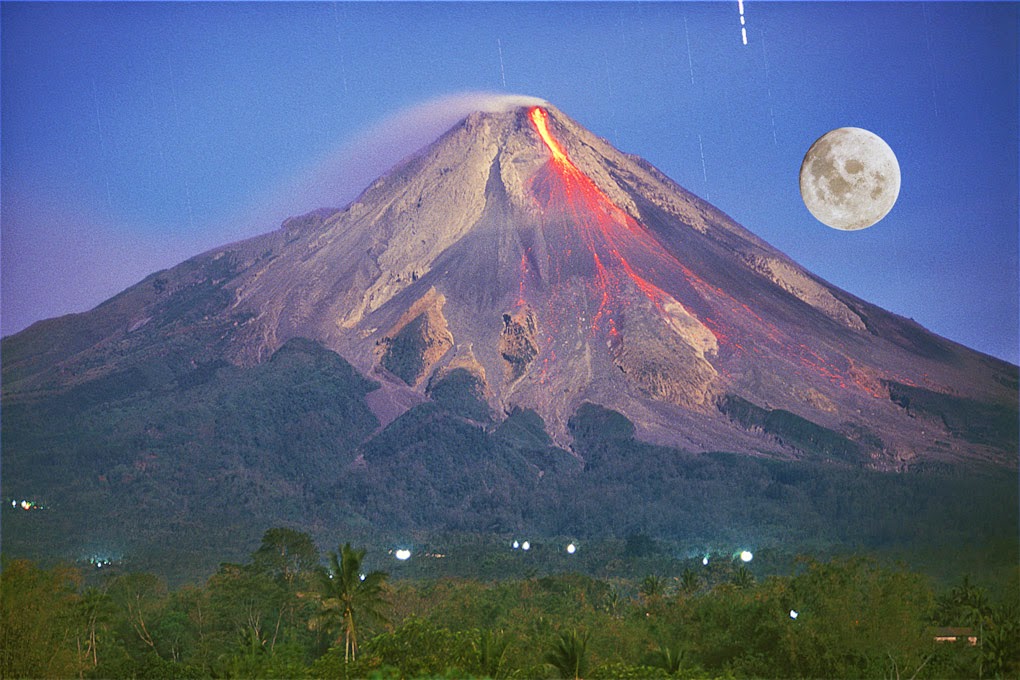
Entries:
{"x":530,"y":265}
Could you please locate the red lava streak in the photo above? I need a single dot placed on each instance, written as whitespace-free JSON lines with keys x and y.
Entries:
{"x":597,"y":233}
{"x":616,"y":259}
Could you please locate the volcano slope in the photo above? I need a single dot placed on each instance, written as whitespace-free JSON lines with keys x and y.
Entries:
{"x":447,"y":341}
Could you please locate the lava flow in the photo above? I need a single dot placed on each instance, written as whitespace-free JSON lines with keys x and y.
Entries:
{"x":597,"y":234}
{"x":605,"y":247}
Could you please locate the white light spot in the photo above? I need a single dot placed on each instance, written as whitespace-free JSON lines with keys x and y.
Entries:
{"x":362,"y":577}
{"x":526,"y":546}
{"x":794,"y":613}
{"x":746,"y":556}
{"x":704,"y":560}
{"x":402,"y":554}
{"x":571,"y":548}
{"x":516,"y":545}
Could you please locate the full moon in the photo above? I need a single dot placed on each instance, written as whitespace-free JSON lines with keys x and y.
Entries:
{"x":849,"y":179}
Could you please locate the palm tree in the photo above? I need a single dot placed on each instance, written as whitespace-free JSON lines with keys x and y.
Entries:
{"x":965,"y":603}
{"x":569,"y":655}
{"x":668,"y":658}
{"x":689,"y":581}
{"x":652,"y":587}
{"x":348,"y":597}
{"x":491,"y":651}
{"x":1000,"y":641}
{"x":613,"y":602}
{"x":742,"y":578}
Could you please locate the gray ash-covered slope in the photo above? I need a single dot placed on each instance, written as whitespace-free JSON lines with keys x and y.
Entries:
{"x":557,"y":271}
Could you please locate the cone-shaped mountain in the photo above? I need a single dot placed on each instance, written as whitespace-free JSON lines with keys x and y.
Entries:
{"x":556,"y":270}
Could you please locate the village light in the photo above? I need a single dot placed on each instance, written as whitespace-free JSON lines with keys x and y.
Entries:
{"x":526,"y":546}
{"x":571,"y":549}
{"x":402,"y":554}
{"x":746,"y":556}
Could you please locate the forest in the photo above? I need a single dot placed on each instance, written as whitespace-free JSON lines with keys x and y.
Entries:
{"x":289,"y":611}
{"x":205,"y":459}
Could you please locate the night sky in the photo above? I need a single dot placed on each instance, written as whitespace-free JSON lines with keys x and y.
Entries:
{"x":137,"y":135}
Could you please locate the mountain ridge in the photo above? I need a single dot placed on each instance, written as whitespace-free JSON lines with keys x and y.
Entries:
{"x":558,"y":270}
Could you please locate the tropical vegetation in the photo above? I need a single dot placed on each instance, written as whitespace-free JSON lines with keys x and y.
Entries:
{"x":284,"y":612}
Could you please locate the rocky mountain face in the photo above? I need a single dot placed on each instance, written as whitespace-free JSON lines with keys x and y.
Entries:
{"x":526,"y":252}
{"x":519,"y":329}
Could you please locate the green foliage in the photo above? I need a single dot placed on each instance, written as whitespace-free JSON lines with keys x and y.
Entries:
{"x":348,"y":597}
{"x":569,"y":655}
{"x":420,"y":649}
{"x":971,"y":420}
{"x":142,"y":599}
{"x":999,"y":650}
{"x":856,"y":618}
{"x":689,"y":581}
{"x":671,"y":659}
{"x":403,"y":356}
{"x":964,"y":605}
{"x":622,"y":671}
{"x":95,"y":611}
{"x":640,"y":545}
{"x":490,"y":653}
{"x":38,"y":619}
{"x":853,"y":616}
{"x":792,"y":430}
{"x":196,"y":464}
{"x":968,"y":607}
{"x":202,"y":456}
{"x":251,"y":660}
{"x":285,"y":554}
{"x":461,"y":393}
{"x":742,"y":577}
{"x":809,"y":437}
{"x":652,"y":587}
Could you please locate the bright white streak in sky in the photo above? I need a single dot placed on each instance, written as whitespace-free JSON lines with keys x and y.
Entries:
{"x":743,"y":29}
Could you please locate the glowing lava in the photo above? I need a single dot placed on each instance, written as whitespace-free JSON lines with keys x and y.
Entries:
{"x":616,"y":259}
{"x":598,"y":234}
{"x":541,"y":121}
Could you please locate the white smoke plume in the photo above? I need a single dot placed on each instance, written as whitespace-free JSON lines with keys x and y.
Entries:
{"x":56,"y":261}
{"x":343,"y":174}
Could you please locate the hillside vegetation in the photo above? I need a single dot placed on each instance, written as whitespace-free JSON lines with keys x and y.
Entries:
{"x":174,"y":474}
{"x":281,"y":613}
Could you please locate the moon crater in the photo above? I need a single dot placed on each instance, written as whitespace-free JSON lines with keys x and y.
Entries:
{"x":850,"y":179}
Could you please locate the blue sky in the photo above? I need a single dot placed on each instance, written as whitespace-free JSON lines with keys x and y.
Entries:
{"x":136,"y":135}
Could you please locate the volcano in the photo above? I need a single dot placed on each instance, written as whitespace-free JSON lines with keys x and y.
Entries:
{"x":556,"y":270}
{"x":529,"y":262}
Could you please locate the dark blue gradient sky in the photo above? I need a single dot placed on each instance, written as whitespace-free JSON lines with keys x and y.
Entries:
{"x":135,"y":135}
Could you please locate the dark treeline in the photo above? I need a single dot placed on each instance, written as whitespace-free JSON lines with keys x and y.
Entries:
{"x":290,"y":612}
{"x":205,"y":460}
